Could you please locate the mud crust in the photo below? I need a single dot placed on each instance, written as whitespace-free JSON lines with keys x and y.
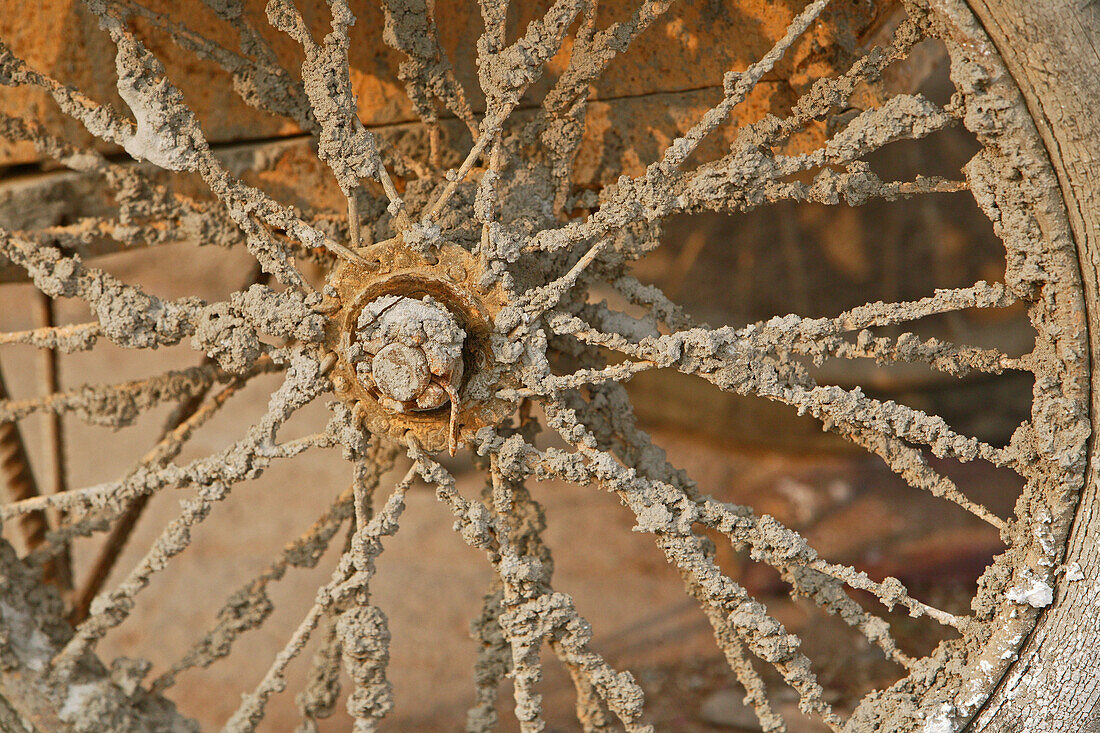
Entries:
{"x":1051,"y":50}
{"x":97,"y":698}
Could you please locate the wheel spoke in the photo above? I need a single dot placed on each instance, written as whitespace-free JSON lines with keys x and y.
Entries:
{"x":533,"y":612}
{"x":494,"y":661}
{"x":118,"y":405}
{"x":662,"y":192}
{"x":149,"y":214}
{"x":854,"y":187}
{"x":945,"y":356}
{"x":320,"y":692}
{"x":505,"y":76}
{"x":352,"y":575}
{"x":742,"y":362}
{"x":594,"y":51}
{"x":668,"y":513}
{"x":182,"y":147}
{"x":249,"y":606}
{"x":260,"y":82}
{"x":660,"y":306}
{"x":565,"y":106}
{"x":737,"y":658}
{"x":66,"y":339}
{"x":347,"y":147}
{"x":552,"y":384}
{"x":412,"y":30}
{"x":233,"y":464}
{"x":902,"y":117}
{"x":660,"y":509}
{"x":616,"y":424}
{"x":780,"y":547}
{"x":908,"y":463}
{"x":737,"y":87}
{"x":111,"y":610}
{"x":58,"y":276}
{"x":190,"y":414}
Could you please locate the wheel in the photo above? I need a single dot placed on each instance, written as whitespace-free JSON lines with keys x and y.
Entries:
{"x":480,"y":288}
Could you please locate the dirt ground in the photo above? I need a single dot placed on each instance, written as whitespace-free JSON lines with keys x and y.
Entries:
{"x":430,"y":583}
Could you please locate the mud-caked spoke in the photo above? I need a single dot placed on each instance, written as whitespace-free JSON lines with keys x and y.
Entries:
{"x":661,"y":509}
{"x":746,"y":362}
{"x":505,"y":74}
{"x":737,"y":86}
{"x":112,"y":609}
{"x":158,"y":322}
{"x":188,"y":416}
{"x":118,"y":405}
{"x":321,"y":690}
{"x":66,"y":339}
{"x":344,"y":144}
{"x":565,"y":106}
{"x":770,"y":542}
{"x":360,"y":630}
{"x":259,"y":79}
{"x":954,"y":359}
{"x":168,"y":136}
{"x":494,"y":660}
{"x":427,"y":72}
{"x":250,"y":605}
{"x":532,"y":612}
{"x":149,"y":213}
{"x":738,"y":360}
{"x":613,"y":423}
{"x":119,"y":518}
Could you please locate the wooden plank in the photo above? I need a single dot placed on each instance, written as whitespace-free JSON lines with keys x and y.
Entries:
{"x":688,"y":49}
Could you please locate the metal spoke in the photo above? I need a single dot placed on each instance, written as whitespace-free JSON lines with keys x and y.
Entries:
{"x":250,"y":605}
{"x":115,"y":607}
{"x":351,"y":575}
{"x":118,"y":405}
{"x":532,"y":612}
{"x":66,"y":339}
{"x":188,"y":416}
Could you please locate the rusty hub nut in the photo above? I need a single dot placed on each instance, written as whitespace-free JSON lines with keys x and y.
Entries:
{"x":409,"y":352}
{"x":400,"y":372}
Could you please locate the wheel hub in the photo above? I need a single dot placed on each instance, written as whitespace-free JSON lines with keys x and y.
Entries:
{"x":411,"y":341}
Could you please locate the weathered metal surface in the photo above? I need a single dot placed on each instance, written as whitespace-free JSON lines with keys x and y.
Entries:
{"x":453,"y":280}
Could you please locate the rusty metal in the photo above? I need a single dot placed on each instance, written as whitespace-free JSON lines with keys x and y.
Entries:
{"x":453,"y":278}
{"x":61,"y":563}
{"x":15,"y":468}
